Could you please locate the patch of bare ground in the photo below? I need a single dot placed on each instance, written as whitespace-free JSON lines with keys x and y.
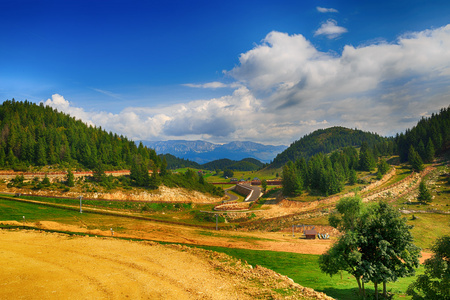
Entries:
{"x":40,"y":265}
{"x":163,"y":193}
{"x":255,"y":240}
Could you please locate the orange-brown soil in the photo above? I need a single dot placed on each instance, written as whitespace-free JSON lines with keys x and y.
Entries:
{"x":39,"y":265}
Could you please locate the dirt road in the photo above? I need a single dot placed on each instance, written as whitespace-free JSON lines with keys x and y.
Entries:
{"x":38,"y":265}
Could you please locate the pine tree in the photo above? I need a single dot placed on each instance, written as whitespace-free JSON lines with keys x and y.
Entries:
{"x":429,"y":151}
{"x":424,"y":194}
{"x":163,"y":168}
{"x":99,"y":172}
{"x":154,"y":181}
{"x":414,"y":159}
{"x":352,"y":178}
{"x":366,"y":159}
{"x":383,"y":168}
{"x":70,"y":179}
{"x":291,"y":182}
{"x":421,"y":149}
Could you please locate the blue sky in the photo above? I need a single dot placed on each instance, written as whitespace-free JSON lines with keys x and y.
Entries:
{"x":264,"y":71}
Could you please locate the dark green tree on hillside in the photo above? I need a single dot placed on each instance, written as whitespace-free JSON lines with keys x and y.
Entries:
{"x":227,"y":173}
{"x":264,"y":185}
{"x":98,"y":173}
{"x":139,"y":172}
{"x":366,"y":158}
{"x":415,"y":160}
{"x":70,"y":179}
{"x":154,"y":180}
{"x":429,"y":151}
{"x":353,"y":177}
{"x":383,"y":168}
{"x":424,"y":193}
{"x":163,"y":168}
{"x":421,"y":149}
{"x":292,"y":186}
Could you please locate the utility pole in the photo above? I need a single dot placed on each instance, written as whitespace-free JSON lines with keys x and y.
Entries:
{"x":81,"y":210}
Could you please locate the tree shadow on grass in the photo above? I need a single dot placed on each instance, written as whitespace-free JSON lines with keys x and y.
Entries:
{"x":351,"y":294}
{"x":342,"y":294}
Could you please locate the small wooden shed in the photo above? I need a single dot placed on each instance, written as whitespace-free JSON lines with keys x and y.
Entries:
{"x":310,"y":234}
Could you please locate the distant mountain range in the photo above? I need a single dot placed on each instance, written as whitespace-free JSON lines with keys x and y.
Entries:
{"x":203,"y":152}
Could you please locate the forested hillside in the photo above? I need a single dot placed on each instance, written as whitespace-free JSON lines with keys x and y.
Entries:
{"x":328,"y":140}
{"x":174,"y":162}
{"x":327,"y":174}
{"x":37,"y":135}
{"x":431,"y":136}
{"x":246,"y":164}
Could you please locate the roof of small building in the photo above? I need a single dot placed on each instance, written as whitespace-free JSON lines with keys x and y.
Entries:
{"x":310,"y":232}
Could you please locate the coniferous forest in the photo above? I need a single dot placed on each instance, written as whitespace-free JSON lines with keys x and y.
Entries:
{"x":327,"y":174}
{"x":37,"y":135}
{"x":330,"y":139}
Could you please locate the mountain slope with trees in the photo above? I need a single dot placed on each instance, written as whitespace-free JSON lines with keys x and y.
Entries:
{"x":34,"y":136}
{"x":246,"y":164}
{"x":38,"y":135}
{"x":328,"y":140}
{"x":327,"y":173}
{"x":430,"y":137}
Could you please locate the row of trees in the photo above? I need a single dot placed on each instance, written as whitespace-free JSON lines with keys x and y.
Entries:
{"x":376,"y":245}
{"x":328,"y":174}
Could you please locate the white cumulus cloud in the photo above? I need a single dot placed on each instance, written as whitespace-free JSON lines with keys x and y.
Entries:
{"x":330,"y":29}
{"x":286,"y":88}
{"x":326,"y":10}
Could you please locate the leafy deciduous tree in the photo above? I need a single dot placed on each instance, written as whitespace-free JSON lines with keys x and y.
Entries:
{"x":435,"y":283}
{"x":376,"y":244}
